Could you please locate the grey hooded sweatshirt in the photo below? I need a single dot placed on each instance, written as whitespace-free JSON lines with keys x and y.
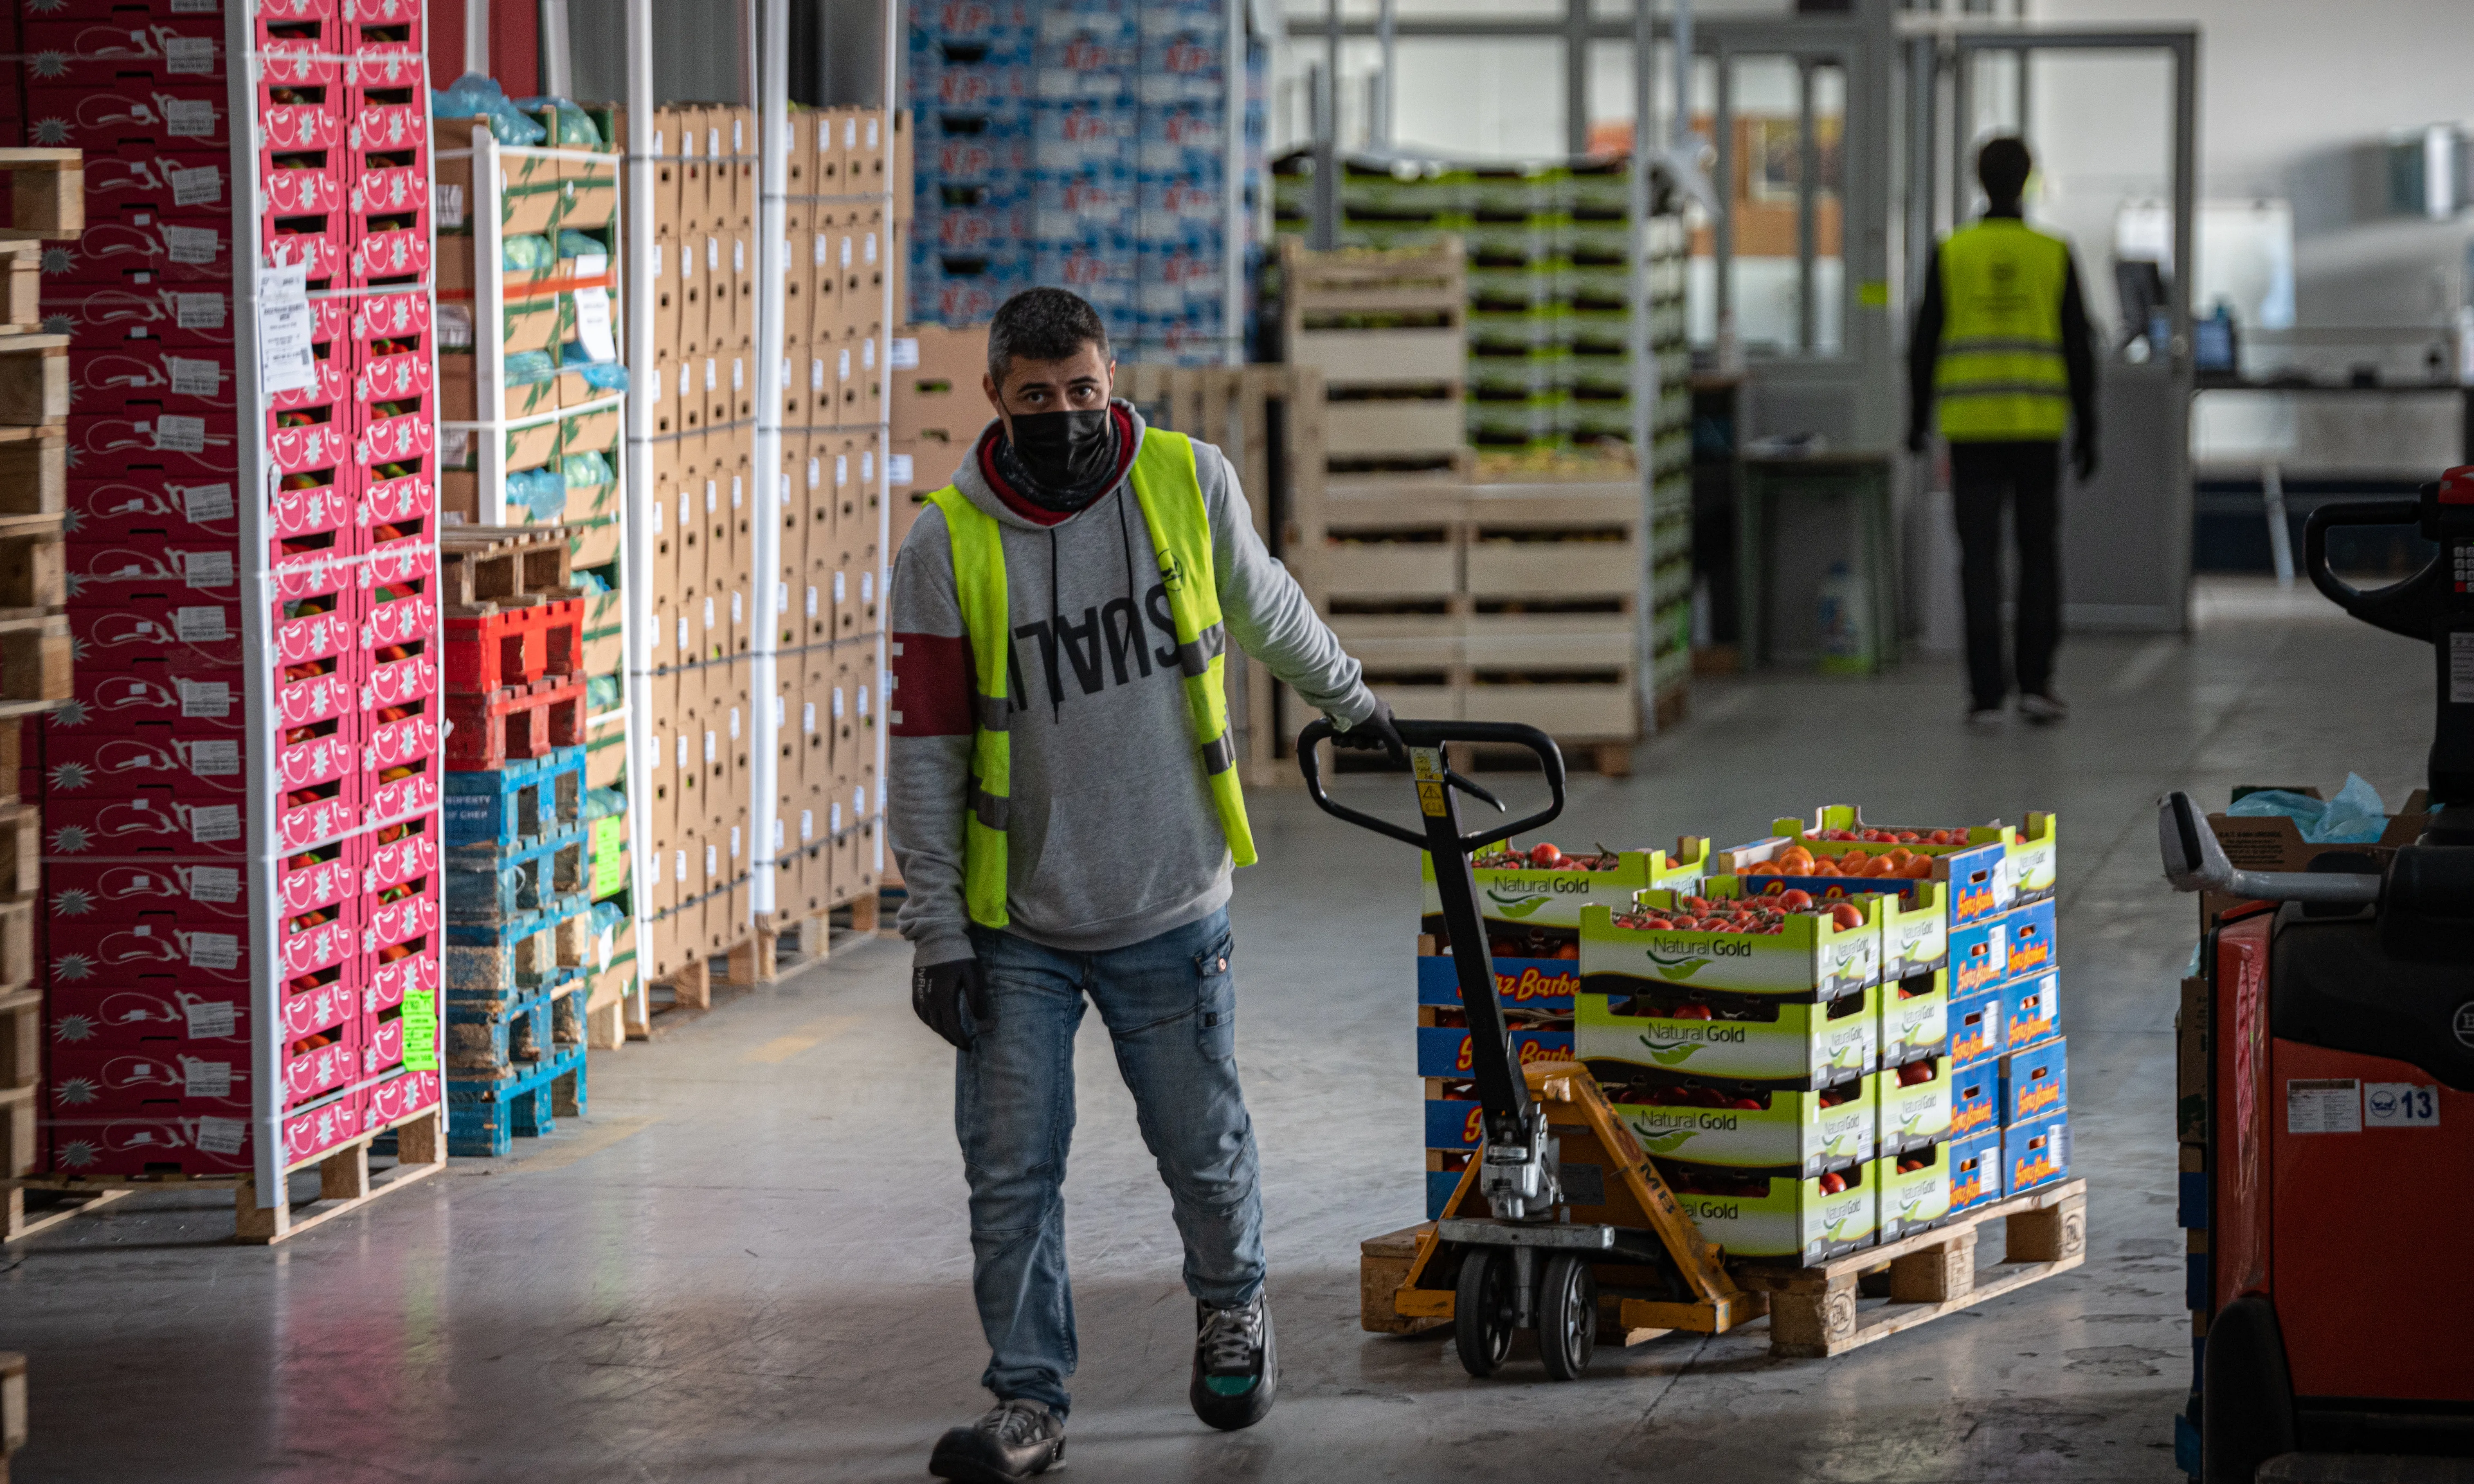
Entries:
{"x":1111,"y":836}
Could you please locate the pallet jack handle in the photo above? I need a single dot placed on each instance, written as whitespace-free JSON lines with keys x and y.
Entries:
{"x":1514,"y":1126}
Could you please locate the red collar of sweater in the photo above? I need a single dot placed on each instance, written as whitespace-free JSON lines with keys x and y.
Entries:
{"x":1024,"y":508}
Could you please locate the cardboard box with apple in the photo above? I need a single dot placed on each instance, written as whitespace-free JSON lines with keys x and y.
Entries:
{"x":1738,"y":1036}
{"x":1802,"y":1220}
{"x":1747,"y":1126}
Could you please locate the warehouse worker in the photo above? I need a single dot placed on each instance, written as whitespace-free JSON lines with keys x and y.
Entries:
{"x":1065,"y":810}
{"x":2002,"y":351}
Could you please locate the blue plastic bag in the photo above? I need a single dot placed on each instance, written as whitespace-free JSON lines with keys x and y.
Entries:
{"x":474,"y":95}
{"x":2356,"y":816}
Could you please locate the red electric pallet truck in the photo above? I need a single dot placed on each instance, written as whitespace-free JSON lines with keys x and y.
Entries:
{"x":2340,"y":1106}
{"x":1561,"y":1208}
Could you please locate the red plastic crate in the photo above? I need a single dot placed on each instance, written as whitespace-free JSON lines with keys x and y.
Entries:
{"x":315,"y":239}
{"x":148,"y":559}
{"x":394,"y":180}
{"x":157,"y":1077}
{"x":397,"y":378}
{"x":109,"y":512}
{"x":383,"y":316}
{"x":411,"y":614}
{"x":182,"y":315}
{"x":192,"y":113}
{"x":413,"y":790}
{"x":515,"y":647}
{"x":138,"y":630}
{"x":390,"y":500}
{"x":406,"y":920}
{"x":396,"y":739}
{"x":381,"y":118}
{"x":116,"y":701}
{"x":401,"y":1097}
{"x":318,"y":500}
{"x":415,"y":970}
{"x":516,"y":724}
{"x":405,"y":557}
{"x":387,"y":245}
{"x":208,"y":1021}
{"x":398,"y":439}
{"x":402,"y":851}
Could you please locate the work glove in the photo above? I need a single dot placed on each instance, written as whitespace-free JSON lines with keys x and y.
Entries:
{"x":2083,"y":458}
{"x":937,"y":991}
{"x":1375,"y":732}
{"x":1918,"y":441}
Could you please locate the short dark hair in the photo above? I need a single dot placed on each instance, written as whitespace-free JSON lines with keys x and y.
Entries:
{"x":1042,"y":325}
{"x":2003,"y":168}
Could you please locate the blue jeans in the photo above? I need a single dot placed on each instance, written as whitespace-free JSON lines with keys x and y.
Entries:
{"x":1170,"y":1004}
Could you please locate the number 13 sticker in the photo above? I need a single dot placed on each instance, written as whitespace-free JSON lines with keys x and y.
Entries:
{"x":2400,"y":1105}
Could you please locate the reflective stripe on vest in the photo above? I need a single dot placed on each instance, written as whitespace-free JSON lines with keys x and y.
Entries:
{"x":2001,"y":375}
{"x":1171,"y":497}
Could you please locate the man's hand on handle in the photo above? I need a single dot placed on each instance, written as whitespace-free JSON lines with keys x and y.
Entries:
{"x":2083,"y":457}
{"x":1375,"y":733}
{"x":937,"y":993}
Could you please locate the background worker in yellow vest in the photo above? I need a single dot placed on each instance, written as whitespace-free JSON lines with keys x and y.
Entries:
{"x":1064,"y":807}
{"x":2002,"y":354}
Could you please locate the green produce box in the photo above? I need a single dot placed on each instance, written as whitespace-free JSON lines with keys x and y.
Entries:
{"x":1781,"y":1216}
{"x":1522,"y":896}
{"x":1915,"y":1199}
{"x":1745,"y":1126}
{"x":1812,"y":956}
{"x":1915,"y":1017}
{"x":1754,"y":1037}
{"x":1913,"y":1113}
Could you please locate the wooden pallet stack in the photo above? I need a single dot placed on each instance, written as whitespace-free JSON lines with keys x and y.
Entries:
{"x":1389,"y":330}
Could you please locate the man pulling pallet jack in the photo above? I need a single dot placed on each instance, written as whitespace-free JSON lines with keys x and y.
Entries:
{"x":1561,"y":1202}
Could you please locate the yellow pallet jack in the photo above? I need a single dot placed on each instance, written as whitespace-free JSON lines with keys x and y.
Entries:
{"x":1561,"y":1211}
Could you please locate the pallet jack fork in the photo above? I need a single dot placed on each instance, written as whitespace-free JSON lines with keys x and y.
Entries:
{"x":1561,"y":1204}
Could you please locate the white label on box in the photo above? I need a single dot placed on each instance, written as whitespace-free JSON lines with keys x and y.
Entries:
{"x":737,"y":491}
{"x":195,"y":6}
{"x":712,"y":255}
{"x":593,"y":265}
{"x":807,"y":825}
{"x":897,"y":469}
{"x":838,"y":704}
{"x":214,"y":822}
{"x":211,"y":1020}
{"x":188,"y":118}
{"x":835,"y":821}
{"x":214,"y":950}
{"x":455,"y":445}
{"x":816,"y":373}
{"x":734,"y":723}
{"x":201,"y":186}
{"x":657,"y":258}
{"x":818,"y":253}
{"x":206,"y":698}
{"x":191,"y":244}
{"x":712,"y":491}
{"x":867,"y":353}
{"x":193,"y":378}
{"x":215,"y":883}
{"x":658,"y":507}
{"x":2461,"y":669}
{"x":179,"y":434}
{"x":862,"y":708}
{"x":190,"y":54}
{"x":446,"y":199}
{"x":712,"y":861}
{"x":214,"y":758}
{"x":735,"y":616}
{"x":708,"y":613}
{"x":593,"y":323}
{"x":205,"y":504}
{"x":738,"y":255}
{"x":780,"y":708}
{"x":838,"y":596}
{"x":734,"y":843}
{"x":679,"y":866}
{"x":683,"y":634}
{"x":737,"y":373}
{"x":207,"y":569}
{"x":284,"y":326}
{"x":867,"y":586}
{"x":2323,"y":1104}
{"x":712,"y":375}
{"x":455,"y":326}
{"x":905,"y":352}
{"x":812,"y":599}
{"x":780,"y":837}
{"x":200,"y":312}
{"x":781,"y":597}
{"x":601,"y":947}
{"x":808,"y":715}
{"x":207,"y":1079}
{"x":220,"y":1136}
{"x":815,"y":473}
{"x":867,"y":466}
{"x":859,"y":796}
{"x":841,"y":470}
{"x":712,"y":747}
{"x":200,"y":624}
{"x":658,"y":379}
{"x":845,"y":363}
{"x":2400,"y":1105}
{"x":870,"y":251}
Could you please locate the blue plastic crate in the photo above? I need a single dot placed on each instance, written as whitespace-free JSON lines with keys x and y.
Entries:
{"x":517,"y":804}
{"x":550,"y":875}
{"x":485,"y":1115}
{"x":2194,"y":1280}
{"x":2192,"y":1209}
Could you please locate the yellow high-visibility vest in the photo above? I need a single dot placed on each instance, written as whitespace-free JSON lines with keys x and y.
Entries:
{"x":2001,"y":375}
{"x":1171,"y":497}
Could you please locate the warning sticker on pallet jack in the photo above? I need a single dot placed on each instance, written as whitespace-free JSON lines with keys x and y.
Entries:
{"x":2327,"y":1104}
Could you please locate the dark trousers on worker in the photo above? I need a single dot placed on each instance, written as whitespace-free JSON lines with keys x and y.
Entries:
{"x":2028,"y":477}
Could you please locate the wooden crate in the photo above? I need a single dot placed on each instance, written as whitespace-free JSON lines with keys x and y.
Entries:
{"x":34,"y":471}
{"x":1394,"y":427}
{"x":36,"y":660}
{"x":1556,"y":540}
{"x":34,"y":381}
{"x":46,"y":194}
{"x":1388,"y":333}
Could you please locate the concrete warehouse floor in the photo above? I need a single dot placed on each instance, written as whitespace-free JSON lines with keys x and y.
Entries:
{"x":750,"y":1262}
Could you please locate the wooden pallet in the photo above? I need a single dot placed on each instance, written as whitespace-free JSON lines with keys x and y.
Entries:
{"x":757,"y":961}
{"x":482,"y":568}
{"x":1815,"y":1311}
{"x":46,"y":194}
{"x":13,"y":1408}
{"x":345,"y":1183}
{"x":34,"y":475}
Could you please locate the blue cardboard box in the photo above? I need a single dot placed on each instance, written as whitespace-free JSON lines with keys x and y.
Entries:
{"x":2035,"y":1083}
{"x":1976,"y":1025}
{"x":1975,"y":1097}
{"x":2031,"y":947}
{"x":1453,"y":1124}
{"x":2035,"y":1152}
{"x":1519,"y":984}
{"x":1443,"y":1051}
{"x":1974,"y":1170}
{"x":1439,"y":1185}
{"x":2031,"y":1010}
{"x":1979,"y":957}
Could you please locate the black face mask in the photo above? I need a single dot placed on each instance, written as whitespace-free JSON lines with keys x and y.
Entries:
{"x":1068,"y":458}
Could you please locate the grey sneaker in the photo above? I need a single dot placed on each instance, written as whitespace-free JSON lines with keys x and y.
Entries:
{"x":2043,"y":710}
{"x":1984,"y":719}
{"x":1236,"y":1365}
{"x":1017,"y":1438}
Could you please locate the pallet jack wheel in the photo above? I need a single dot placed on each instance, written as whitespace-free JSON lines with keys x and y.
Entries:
{"x":1568,"y":1316}
{"x":2245,"y":1393}
{"x":1481,"y":1310}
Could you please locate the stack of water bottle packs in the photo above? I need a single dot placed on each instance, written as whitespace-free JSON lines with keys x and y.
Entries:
{"x":520,"y":881}
{"x":1832,"y":1036}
